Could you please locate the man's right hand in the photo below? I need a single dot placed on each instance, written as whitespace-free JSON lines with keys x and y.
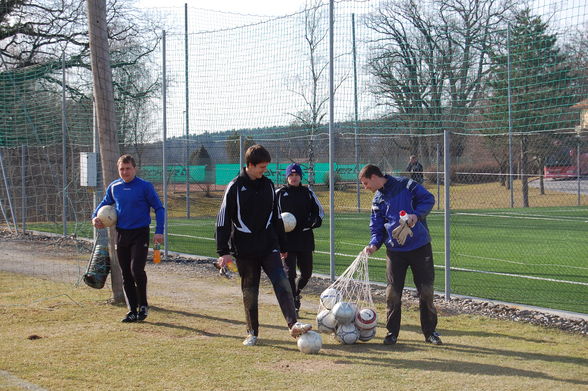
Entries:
{"x":223,"y":260}
{"x":369,"y":250}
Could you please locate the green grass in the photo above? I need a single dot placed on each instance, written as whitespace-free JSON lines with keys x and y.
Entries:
{"x":192,"y":341}
{"x":547,"y":246}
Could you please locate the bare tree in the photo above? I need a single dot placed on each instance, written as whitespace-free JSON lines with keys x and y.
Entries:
{"x":430,"y":61}
{"x":310,"y":86}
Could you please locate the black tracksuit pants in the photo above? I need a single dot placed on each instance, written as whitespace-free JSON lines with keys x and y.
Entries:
{"x":420,"y":262}
{"x":132,"y":246}
{"x":250,"y":272}
{"x":302,"y":259}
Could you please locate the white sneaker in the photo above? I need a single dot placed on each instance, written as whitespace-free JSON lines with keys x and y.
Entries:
{"x":251,"y":340}
{"x":298,"y":329}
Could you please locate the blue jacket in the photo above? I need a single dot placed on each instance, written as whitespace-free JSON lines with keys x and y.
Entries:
{"x":133,"y":202}
{"x":398,"y":194}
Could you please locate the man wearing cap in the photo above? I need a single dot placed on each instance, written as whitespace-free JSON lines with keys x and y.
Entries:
{"x":303,"y":203}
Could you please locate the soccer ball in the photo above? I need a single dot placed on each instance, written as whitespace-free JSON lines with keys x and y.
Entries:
{"x":344,"y":312}
{"x":107,"y":214}
{"x":289,"y":221}
{"x":310,"y":342}
{"x":347,"y":334}
{"x":367,"y":334}
{"x":330,"y":297}
{"x":326,"y":321}
{"x":366,"y":319}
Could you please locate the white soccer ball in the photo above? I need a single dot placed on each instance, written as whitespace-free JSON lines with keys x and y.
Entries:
{"x":310,"y":342}
{"x":367,"y":334}
{"x":289,"y":221}
{"x":107,"y":214}
{"x":347,"y":334}
{"x":326,"y":322}
{"x":366,"y":319}
{"x":344,"y":312}
{"x":330,"y":297}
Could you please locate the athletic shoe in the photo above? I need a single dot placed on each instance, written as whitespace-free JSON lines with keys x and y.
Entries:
{"x":251,"y":340}
{"x":434,"y":339}
{"x":298,"y":329}
{"x":142,"y":315}
{"x":130,"y":318}
{"x":390,"y":339}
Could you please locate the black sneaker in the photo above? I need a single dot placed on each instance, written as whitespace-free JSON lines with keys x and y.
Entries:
{"x":142,"y":315}
{"x":434,"y":339}
{"x":131,"y":317}
{"x":390,"y":339}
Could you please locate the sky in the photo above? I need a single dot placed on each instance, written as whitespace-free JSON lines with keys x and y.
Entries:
{"x":255,"y":7}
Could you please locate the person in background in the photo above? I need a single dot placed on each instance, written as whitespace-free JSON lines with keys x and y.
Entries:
{"x":415,"y":169}
{"x":408,"y":244}
{"x":249,"y":227}
{"x":308,"y":211}
{"x":133,"y":198}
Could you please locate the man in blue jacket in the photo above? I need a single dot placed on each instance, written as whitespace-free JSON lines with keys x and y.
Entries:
{"x":133,"y":198}
{"x":408,"y":244}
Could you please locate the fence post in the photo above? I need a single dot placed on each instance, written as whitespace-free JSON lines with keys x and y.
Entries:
{"x":164,"y":144}
{"x":447,"y":214}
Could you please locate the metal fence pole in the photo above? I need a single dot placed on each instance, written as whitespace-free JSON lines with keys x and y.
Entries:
{"x":331,"y":143}
{"x":164,"y":143}
{"x":64,"y":145}
{"x":23,"y":198}
{"x":447,"y":213}
{"x":510,"y":168}
{"x":356,"y":113}
{"x":187,"y":111}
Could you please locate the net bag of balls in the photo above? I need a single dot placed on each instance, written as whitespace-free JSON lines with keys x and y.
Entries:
{"x":346,"y":308}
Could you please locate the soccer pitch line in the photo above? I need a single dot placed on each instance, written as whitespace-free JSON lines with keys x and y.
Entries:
{"x":521,"y":216}
{"x":522,"y":263}
{"x":477,"y":271}
{"x":190,"y":236}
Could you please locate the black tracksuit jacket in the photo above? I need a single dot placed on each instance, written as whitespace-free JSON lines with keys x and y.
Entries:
{"x":249,"y":223}
{"x":305,"y":206}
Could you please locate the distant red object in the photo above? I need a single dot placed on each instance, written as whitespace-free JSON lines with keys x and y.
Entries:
{"x":564,"y":165}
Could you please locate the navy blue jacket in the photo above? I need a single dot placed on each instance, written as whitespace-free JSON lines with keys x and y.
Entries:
{"x":398,"y":194}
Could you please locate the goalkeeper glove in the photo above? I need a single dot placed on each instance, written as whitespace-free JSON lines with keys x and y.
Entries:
{"x":401,"y":232}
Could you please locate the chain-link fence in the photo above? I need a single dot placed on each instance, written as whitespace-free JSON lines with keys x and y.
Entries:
{"x":509,"y":92}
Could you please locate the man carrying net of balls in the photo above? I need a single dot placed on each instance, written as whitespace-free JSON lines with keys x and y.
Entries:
{"x":399,"y":209}
{"x":249,"y":227}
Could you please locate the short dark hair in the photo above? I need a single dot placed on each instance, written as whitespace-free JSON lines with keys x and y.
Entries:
{"x":370,"y":170}
{"x":126,"y":159}
{"x":256,"y":154}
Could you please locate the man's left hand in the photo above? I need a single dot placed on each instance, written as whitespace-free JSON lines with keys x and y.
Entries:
{"x":158,"y":238}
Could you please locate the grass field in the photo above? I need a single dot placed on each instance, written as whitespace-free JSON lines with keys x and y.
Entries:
{"x":534,"y":256}
{"x":61,"y":337}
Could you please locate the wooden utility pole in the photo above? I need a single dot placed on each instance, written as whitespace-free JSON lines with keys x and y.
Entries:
{"x":106,"y":118}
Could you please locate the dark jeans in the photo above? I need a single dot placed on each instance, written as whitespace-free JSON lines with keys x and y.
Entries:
{"x":302,"y":259}
{"x":131,"y":248}
{"x":420,"y":262}
{"x":250,"y":273}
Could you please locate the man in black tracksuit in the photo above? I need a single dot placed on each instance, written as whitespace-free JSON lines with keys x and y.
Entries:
{"x":249,"y":227}
{"x":308,"y":211}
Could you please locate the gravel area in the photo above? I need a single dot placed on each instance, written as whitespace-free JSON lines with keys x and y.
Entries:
{"x":204,"y":267}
